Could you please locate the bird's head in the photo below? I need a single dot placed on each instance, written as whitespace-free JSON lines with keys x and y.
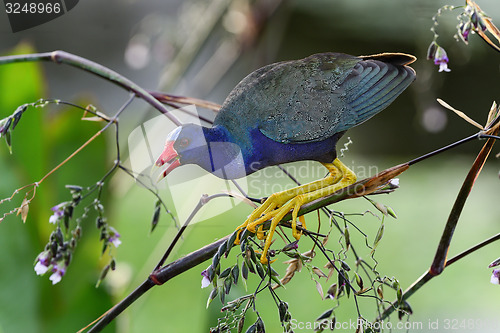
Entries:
{"x":209,"y":148}
{"x":184,"y":145}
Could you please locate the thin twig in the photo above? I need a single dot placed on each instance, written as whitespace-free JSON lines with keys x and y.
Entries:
{"x":59,"y":57}
{"x":440,"y":259}
{"x":203,"y":201}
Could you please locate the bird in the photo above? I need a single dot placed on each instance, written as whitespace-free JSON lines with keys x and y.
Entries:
{"x":290,"y":111}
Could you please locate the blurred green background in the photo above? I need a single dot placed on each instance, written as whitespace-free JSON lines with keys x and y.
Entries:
{"x":202,"y":49}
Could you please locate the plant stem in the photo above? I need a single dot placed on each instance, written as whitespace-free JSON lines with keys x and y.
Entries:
{"x":164,"y":274}
{"x":59,"y":57}
{"x":440,"y":262}
{"x":444,"y":244}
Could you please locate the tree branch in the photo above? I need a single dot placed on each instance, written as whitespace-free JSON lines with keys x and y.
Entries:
{"x":59,"y":57}
{"x":358,"y":189}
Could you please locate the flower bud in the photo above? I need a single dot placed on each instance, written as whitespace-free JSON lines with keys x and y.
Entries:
{"x":431,"y":51}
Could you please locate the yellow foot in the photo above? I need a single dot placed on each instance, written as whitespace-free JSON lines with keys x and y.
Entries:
{"x":279,"y":204}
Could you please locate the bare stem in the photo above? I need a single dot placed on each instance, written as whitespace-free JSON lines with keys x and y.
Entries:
{"x":440,"y":262}
{"x":59,"y":57}
{"x":444,"y":244}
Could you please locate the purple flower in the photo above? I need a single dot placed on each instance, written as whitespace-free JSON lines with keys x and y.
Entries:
{"x":465,"y":34}
{"x":58,"y":271}
{"x":438,"y":54}
{"x":495,"y":276}
{"x":205,"y":281}
{"x":441,"y":59}
{"x":43,"y":263}
{"x":114,"y":237}
{"x":58,"y":212}
{"x":465,"y":31}
{"x":477,"y":21}
{"x":332,"y":291}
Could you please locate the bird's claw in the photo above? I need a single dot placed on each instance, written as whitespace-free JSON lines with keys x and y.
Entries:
{"x":276,"y":214}
{"x":279,"y":204}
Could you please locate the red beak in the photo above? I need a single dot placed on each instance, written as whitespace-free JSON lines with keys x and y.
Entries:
{"x":169,"y":159}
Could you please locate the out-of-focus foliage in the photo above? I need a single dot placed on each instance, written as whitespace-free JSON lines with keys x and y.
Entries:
{"x":41,"y":140}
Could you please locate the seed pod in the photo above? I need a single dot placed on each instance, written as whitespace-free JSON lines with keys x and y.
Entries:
{"x":283,"y":309}
{"x":359,"y":280}
{"x":494,"y":263}
{"x":431,"y":51}
{"x":347,"y":237}
{"x":227,"y":284}
{"x":74,"y":188}
{"x":225,"y":273}
{"x":156,"y":215}
{"x":260,"y":326}
{"x":241,"y":322}
{"x":18,"y":113}
{"x":222,"y":249}
{"x":260,"y":270}
{"x":244,"y":270}
{"x":345,"y":266}
{"x":235,"y":273}
{"x":212,"y":295}
{"x":325,"y":314}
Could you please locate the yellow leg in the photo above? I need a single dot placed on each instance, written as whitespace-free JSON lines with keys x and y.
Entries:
{"x":270,"y":207}
{"x":279,"y":204}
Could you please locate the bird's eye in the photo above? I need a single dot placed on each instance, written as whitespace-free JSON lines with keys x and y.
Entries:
{"x":184,"y":142}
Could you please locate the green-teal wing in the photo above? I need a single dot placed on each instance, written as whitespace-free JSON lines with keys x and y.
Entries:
{"x":313,"y":98}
